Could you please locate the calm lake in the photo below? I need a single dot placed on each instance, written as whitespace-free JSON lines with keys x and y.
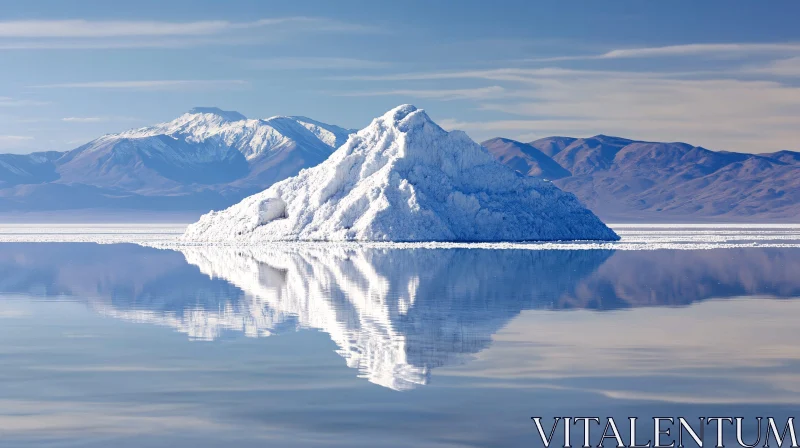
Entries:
{"x":131,"y":346}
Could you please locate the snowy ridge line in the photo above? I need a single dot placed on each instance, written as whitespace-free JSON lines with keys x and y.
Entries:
{"x":251,"y":137}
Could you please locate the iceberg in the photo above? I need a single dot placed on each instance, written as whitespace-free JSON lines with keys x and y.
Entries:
{"x":405,"y":179}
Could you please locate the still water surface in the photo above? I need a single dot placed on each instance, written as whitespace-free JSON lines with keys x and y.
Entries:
{"x":129,"y":346}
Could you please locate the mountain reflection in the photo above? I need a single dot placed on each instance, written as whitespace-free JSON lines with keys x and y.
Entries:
{"x":395,"y":314}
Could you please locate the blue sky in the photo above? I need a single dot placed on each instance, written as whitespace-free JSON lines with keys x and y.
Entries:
{"x":719,"y":74}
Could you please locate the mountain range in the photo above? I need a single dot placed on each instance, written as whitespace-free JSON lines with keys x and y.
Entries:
{"x":206,"y":158}
{"x":209,"y":159}
{"x":628,"y":180}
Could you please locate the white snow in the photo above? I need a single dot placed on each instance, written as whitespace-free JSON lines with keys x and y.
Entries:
{"x":333,"y":136}
{"x":220,"y":130}
{"x":403,"y":178}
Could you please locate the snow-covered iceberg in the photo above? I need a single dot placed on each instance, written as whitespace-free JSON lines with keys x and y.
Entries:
{"x":403,"y":178}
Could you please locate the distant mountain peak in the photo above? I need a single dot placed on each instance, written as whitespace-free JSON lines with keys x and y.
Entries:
{"x":227,"y":115}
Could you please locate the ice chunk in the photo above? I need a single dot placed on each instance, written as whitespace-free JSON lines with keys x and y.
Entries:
{"x":270,"y":209}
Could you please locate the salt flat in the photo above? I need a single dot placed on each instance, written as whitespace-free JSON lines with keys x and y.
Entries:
{"x":89,"y":233}
{"x":634,"y":237}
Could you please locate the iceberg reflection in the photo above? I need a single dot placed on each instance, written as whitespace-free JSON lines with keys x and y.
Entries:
{"x":394,"y":314}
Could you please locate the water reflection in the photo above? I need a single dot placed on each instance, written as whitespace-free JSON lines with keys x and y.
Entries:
{"x":396,"y":315}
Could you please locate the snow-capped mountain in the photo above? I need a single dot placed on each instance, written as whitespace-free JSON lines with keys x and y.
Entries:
{"x":204,"y":146}
{"x":403,"y":178}
{"x":217,"y":129}
{"x":207,"y":157}
{"x":623,"y":180}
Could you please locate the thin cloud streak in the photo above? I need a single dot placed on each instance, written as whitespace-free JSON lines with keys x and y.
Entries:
{"x":444,"y":95}
{"x":782,"y":68}
{"x":96,"y":119}
{"x":11,"y":102}
{"x":315,"y":63}
{"x":510,"y":74}
{"x":12,"y":141}
{"x":119,"y":28}
{"x":750,"y":116}
{"x":730,"y":49}
{"x":731,"y":109}
{"x":128,"y":43}
{"x":180,"y":84}
{"x":120,"y":34}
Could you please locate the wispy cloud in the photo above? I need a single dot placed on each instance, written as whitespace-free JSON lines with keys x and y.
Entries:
{"x":87,"y":28}
{"x":100,"y":34}
{"x":727,"y":50}
{"x":14,"y":138}
{"x":444,"y":94}
{"x":782,"y":67}
{"x":96,"y":119}
{"x":503,"y":74}
{"x":14,"y":142}
{"x":84,"y":119}
{"x":316,"y":63}
{"x":752,"y":116}
{"x":11,"y":102}
{"x":126,"y":43}
{"x":119,"y":28}
{"x":742,"y":104}
{"x":171,"y":84}
{"x":735,"y":114}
